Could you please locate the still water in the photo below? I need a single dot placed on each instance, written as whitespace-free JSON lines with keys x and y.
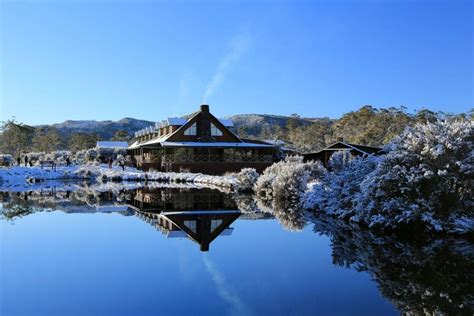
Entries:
{"x":85,"y":250}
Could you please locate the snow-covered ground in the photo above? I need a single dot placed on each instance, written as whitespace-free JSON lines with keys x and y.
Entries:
{"x":18,"y":177}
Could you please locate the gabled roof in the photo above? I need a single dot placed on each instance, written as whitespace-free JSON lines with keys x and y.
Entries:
{"x":173,"y":140}
{"x":194,"y":118}
{"x":343,"y":145}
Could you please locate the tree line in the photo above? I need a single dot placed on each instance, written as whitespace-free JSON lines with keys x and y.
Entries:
{"x":17,"y":138}
{"x":367,"y":126}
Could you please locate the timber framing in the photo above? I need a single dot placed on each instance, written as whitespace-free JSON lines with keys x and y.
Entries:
{"x":199,"y":143}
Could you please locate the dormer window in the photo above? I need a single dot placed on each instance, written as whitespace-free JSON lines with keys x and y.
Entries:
{"x":191,"y":130}
{"x":215,"y":131}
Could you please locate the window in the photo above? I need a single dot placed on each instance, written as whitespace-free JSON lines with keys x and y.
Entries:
{"x":215,"y":223}
{"x":215,"y":131}
{"x":191,"y":131}
{"x":191,"y":225}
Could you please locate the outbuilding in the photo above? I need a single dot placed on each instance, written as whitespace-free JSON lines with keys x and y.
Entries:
{"x":355,"y":150}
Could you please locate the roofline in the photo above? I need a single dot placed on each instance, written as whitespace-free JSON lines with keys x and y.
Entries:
{"x":340,"y":149}
{"x":355,"y":148}
{"x":212,"y":144}
{"x":227,"y":128}
{"x":374,"y":147}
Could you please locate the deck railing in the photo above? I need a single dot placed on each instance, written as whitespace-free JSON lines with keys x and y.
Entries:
{"x":167,"y":159}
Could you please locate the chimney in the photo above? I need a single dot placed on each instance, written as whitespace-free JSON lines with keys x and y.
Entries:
{"x":204,"y":126}
{"x":204,"y":108}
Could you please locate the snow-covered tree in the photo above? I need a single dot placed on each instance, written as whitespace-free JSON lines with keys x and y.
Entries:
{"x":339,"y":160}
{"x":91,"y":154}
{"x":281,"y":187}
{"x":246,"y":179}
{"x":426,"y":178}
{"x":336,"y":192}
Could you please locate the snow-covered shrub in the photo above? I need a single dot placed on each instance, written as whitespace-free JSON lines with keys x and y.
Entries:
{"x":339,"y":160}
{"x":246,"y":179}
{"x":91,"y":154}
{"x":120,"y":159}
{"x":120,"y":151}
{"x":6,"y":160}
{"x":288,"y":178}
{"x":79,"y":157}
{"x":88,"y":172}
{"x":35,"y":158}
{"x":245,"y":202}
{"x":59,"y":156}
{"x":281,"y":186}
{"x":103,"y":154}
{"x":337,"y":191}
{"x":426,"y":178}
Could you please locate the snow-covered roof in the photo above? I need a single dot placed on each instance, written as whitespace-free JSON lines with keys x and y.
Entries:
{"x":155,"y":140}
{"x":134,"y":145}
{"x":111,"y":144}
{"x":180,"y":121}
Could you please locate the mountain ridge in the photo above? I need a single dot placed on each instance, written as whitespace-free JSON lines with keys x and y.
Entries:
{"x":253,"y":124}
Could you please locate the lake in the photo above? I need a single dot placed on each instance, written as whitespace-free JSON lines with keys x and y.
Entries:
{"x":81,"y":249}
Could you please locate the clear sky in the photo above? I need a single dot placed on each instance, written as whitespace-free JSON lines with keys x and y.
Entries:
{"x":152,"y":59}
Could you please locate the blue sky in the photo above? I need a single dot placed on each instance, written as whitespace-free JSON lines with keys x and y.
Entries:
{"x":152,"y":59}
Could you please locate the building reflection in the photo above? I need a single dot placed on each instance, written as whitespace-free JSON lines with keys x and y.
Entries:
{"x":200,"y":215}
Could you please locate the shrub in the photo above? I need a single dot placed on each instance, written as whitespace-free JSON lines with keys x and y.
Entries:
{"x":246,"y":179}
{"x":426,"y":178}
{"x":280,"y":188}
{"x":6,"y":160}
{"x":91,"y":154}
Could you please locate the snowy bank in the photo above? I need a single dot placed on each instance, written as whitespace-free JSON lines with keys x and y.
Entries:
{"x":25,"y":176}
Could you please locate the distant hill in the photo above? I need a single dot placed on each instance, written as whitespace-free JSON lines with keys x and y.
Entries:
{"x":256,"y":124}
{"x":252,"y":124}
{"x":105,"y":129}
{"x":260,"y":120}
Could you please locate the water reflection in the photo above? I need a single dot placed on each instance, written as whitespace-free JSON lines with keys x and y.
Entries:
{"x":201,"y":215}
{"x":419,"y":275}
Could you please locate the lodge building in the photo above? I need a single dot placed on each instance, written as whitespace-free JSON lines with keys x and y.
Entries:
{"x":200,"y":143}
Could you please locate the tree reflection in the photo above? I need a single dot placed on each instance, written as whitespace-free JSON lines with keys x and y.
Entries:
{"x":419,"y":275}
{"x":287,"y":212}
